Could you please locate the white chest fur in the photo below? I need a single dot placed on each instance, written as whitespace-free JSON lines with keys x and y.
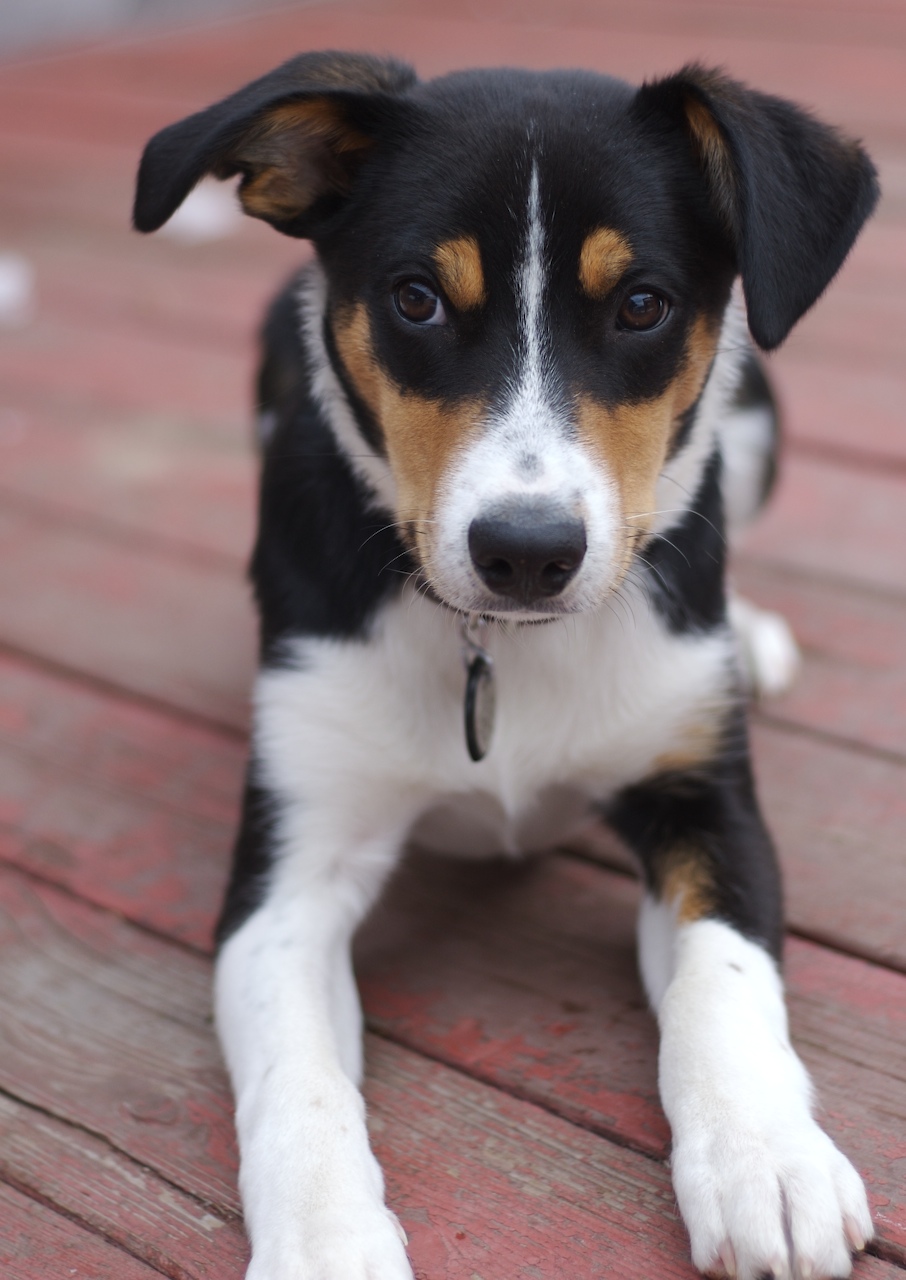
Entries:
{"x":585,"y":705}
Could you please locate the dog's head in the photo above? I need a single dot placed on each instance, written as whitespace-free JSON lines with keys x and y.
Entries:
{"x":526,"y":278}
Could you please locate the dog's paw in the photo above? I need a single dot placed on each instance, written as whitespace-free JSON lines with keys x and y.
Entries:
{"x":785,"y":1204}
{"x":768,"y":651}
{"x":367,"y":1245}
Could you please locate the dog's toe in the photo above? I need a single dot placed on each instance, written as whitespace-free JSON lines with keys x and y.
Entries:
{"x":786,"y":1206}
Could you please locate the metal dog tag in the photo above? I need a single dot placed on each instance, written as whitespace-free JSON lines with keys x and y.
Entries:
{"x":481,"y":697}
{"x":480,"y":706}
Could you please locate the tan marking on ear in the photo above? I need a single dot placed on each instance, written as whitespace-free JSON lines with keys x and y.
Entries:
{"x":294,"y":154}
{"x":422,"y":436}
{"x":460,"y":272}
{"x":633,"y":440}
{"x":603,"y":260}
{"x":685,"y":881}
{"x":713,"y":156}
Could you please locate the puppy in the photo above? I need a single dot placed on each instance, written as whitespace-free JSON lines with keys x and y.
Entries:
{"x":504,"y":412}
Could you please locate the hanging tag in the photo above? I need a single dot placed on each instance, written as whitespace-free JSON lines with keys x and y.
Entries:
{"x":480,"y":700}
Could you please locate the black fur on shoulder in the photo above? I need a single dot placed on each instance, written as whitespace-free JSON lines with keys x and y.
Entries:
{"x":294,"y":177}
{"x":792,"y":193}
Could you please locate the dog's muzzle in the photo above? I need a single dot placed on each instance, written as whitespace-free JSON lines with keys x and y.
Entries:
{"x":527,"y":551}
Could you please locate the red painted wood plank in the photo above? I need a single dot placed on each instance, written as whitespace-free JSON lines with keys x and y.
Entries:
{"x":169,"y":630}
{"x":185,"y":485}
{"x":105,"y":367}
{"x":838,"y":818}
{"x":128,"y":749}
{"x":854,"y":82}
{"x":527,"y":978}
{"x":831,"y":403}
{"x":109,"y":1028}
{"x":103,"y":1043}
{"x":835,"y":522}
{"x":36,"y":1243}
{"x":87,"y":1179}
{"x":524,"y":1187}
{"x":523,"y":978}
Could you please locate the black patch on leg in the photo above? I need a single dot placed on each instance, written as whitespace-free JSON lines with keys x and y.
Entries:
{"x":713,"y":811}
{"x":685,"y":565}
{"x":252,"y":859}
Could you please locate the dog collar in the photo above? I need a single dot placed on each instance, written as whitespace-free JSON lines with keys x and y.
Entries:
{"x":480,"y":704}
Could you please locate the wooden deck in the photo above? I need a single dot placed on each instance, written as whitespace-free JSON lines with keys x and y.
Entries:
{"x":511,"y":1060}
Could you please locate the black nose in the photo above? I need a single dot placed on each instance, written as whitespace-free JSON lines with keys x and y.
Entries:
{"x":526,"y":551}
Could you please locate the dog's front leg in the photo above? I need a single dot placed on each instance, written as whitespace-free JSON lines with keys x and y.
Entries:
{"x":762,"y":1189}
{"x":290,"y":1025}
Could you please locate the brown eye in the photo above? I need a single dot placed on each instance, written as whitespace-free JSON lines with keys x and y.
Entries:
{"x":642,"y":310}
{"x":418,"y":303}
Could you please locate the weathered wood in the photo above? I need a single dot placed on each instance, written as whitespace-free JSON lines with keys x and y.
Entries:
{"x":527,"y":978}
{"x":834,"y":403}
{"x":114,"y":614}
{"x":484,"y":1183}
{"x":854,"y":82}
{"x":36,"y":1243}
{"x":89,"y":1180}
{"x":523,"y":980}
{"x":838,"y":818}
{"x":837,"y":522}
{"x":187,"y":489}
{"x":109,"y":1029}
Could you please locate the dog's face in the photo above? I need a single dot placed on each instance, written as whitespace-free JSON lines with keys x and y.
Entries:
{"x":526,"y":278}
{"x":525,"y":308}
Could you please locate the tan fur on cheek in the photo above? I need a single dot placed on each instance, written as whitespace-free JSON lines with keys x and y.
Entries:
{"x":460,"y":272}
{"x":603,"y":260}
{"x":422,"y":436}
{"x":633,"y":440}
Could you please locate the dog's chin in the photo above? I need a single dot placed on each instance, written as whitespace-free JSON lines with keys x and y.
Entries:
{"x":501,"y":609}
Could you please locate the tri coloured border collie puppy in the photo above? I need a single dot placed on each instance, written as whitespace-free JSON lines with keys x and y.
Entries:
{"x":508,"y":412}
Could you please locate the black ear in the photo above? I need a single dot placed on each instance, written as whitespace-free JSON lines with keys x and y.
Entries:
{"x":296,"y":135}
{"x":791,"y":192}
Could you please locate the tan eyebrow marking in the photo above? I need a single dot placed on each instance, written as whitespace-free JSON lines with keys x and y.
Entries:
{"x":459,"y":269}
{"x":604,"y":257}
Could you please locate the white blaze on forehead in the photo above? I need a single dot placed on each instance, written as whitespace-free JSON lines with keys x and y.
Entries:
{"x":528,"y":414}
{"x":526,"y":450}
{"x":530,"y":284}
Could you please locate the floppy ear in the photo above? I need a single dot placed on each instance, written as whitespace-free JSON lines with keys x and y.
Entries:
{"x":791,"y":192}
{"x":297,"y":136}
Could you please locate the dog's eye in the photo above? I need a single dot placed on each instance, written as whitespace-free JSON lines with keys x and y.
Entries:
{"x":642,"y":310}
{"x":418,"y":303}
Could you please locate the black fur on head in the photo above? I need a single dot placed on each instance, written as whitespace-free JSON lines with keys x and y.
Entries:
{"x":791,"y":192}
{"x":296,"y":136}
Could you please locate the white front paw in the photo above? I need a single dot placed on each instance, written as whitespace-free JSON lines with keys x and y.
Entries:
{"x":784,"y":1203}
{"x":363,"y":1243}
